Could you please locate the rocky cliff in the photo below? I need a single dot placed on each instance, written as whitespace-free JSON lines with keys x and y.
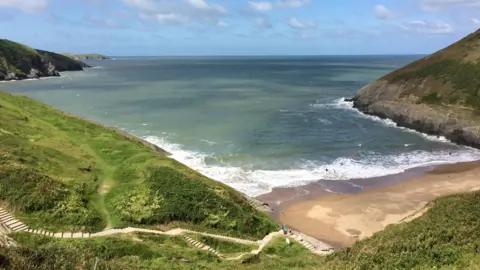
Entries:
{"x":18,"y":62}
{"x":438,"y":94}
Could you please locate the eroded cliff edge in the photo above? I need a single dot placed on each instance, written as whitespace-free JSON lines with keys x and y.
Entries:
{"x":438,"y":94}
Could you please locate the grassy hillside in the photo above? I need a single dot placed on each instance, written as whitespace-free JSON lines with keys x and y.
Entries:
{"x":91,"y":56}
{"x":449,"y":76}
{"x":446,"y":237}
{"x":20,"y":59}
{"x":66,"y":174}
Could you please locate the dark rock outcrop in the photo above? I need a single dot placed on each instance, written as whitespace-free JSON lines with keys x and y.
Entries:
{"x":18,"y":62}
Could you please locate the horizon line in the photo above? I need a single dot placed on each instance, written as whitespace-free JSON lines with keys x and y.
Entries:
{"x":256,"y":55}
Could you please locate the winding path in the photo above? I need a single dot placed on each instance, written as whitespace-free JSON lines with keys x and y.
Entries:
{"x":13,"y":225}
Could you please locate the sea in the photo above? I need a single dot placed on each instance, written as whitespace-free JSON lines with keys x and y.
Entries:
{"x":253,"y":123}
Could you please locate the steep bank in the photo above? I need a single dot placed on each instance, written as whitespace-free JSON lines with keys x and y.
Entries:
{"x":61,"y":173}
{"x":438,"y":94}
{"x":18,"y":62}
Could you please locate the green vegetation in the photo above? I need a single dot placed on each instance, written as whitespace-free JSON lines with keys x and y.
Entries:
{"x":144,"y":252}
{"x":432,"y":98}
{"x":19,"y":59}
{"x":62,"y":173}
{"x":223,"y":246}
{"x":449,"y":76}
{"x":116,"y":252}
{"x":92,"y":56}
{"x":447,"y":236}
{"x":464,"y":77}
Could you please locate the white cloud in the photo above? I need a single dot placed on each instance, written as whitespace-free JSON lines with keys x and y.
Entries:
{"x":176,"y":12}
{"x":383,"y":13}
{"x":267,"y":5}
{"x":222,"y":24}
{"x":171,"y":18}
{"x":441,"y":5}
{"x":260,"y":6}
{"x":27,"y":6}
{"x":475,"y":21}
{"x":427,"y":27}
{"x":262,"y":23}
{"x":204,"y":6}
{"x":299,"y":25}
{"x":145,"y":5}
{"x":293,"y":3}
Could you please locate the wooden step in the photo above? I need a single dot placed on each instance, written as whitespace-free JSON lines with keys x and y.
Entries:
{"x":20,"y":228}
{"x":7,"y":219}
{"x":11,"y":222}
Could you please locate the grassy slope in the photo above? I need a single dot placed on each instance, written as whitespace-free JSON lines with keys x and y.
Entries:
{"x":449,"y":76}
{"x":19,"y":59}
{"x":66,"y":174}
{"x":446,"y":237}
{"x":86,"y":56}
{"x":223,"y":246}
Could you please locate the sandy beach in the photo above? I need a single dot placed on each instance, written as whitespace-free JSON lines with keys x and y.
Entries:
{"x":364,"y":206}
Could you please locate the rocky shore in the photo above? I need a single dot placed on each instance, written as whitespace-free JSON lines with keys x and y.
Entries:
{"x":437,"y":94}
{"x":459,"y":125}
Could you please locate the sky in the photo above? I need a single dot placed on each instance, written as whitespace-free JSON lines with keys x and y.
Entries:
{"x":238,"y":27}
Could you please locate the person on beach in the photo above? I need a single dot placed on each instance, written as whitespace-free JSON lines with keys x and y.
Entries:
{"x":284,"y":228}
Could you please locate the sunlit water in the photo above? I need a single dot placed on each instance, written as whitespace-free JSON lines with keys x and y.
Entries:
{"x":251,"y":122}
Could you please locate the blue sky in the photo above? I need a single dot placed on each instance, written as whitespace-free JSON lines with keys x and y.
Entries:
{"x":238,"y":27}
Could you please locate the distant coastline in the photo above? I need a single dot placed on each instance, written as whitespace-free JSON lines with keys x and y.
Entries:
{"x":83,"y":57}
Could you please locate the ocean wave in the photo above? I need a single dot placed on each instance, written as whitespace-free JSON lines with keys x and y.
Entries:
{"x":347,"y":105}
{"x":32,"y":79}
{"x":257,"y":182}
{"x":324,"y":121}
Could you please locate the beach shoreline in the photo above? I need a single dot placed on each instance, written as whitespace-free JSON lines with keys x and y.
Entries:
{"x":341,"y":212}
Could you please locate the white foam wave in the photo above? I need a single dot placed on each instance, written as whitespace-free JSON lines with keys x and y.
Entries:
{"x":324,"y":121}
{"x":23,"y":80}
{"x":257,"y":182}
{"x":347,"y":105}
{"x":208,"y":142}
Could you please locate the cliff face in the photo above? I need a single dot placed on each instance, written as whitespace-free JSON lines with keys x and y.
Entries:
{"x":18,"y":62}
{"x":438,"y":94}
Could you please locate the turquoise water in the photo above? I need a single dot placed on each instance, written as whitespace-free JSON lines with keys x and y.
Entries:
{"x":251,"y":122}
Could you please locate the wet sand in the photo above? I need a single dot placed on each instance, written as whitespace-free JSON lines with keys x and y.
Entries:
{"x":361,"y":207}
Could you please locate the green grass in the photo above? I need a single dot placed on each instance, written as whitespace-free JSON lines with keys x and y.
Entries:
{"x":116,"y":252}
{"x":453,"y":73}
{"x":432,"y":98}
{"x":447,"y":236}
{"x":85,"y":56}
{"x":464,"y":77}
{"x":66,"y":174}
{"x":223,"y":246}
{"x":144,"y":251}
